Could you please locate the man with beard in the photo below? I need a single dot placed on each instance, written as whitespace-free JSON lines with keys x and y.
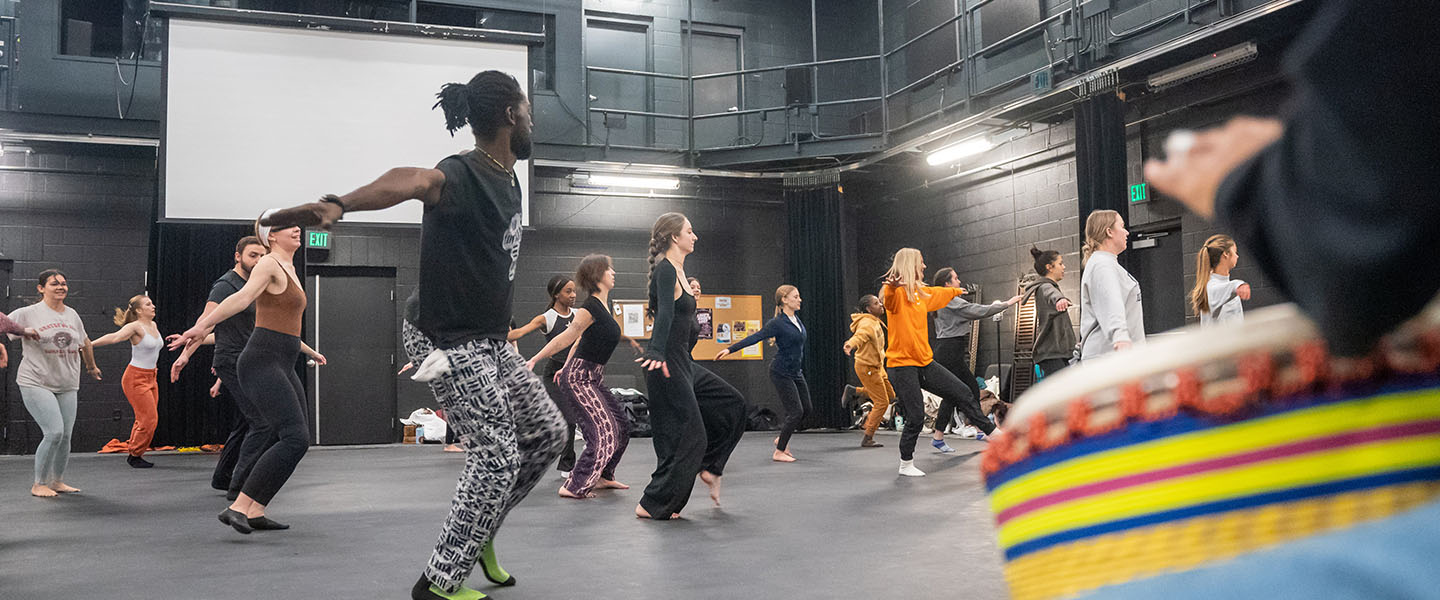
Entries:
{"x":469,"y":244}
{"x":247,"y":432}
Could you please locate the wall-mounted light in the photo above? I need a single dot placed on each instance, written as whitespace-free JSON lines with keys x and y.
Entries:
{"x":632,"y":181}
{"x":959,"y":150}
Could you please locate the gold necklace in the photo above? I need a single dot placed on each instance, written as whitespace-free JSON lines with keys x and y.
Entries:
{"x":495,"y":162}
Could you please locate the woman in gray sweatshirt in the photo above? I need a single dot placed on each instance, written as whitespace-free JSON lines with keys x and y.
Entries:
{"x":1111,"y":318}
{"x":952,"y":345}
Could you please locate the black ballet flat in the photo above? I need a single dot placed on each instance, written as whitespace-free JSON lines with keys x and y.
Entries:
{"x":264,"y":523}
{"x":236,"y":520}
{"x":507,"y":583}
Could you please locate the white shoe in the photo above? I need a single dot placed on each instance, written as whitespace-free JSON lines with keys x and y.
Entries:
{"x":907,"y":468}
{"x":969,"y":432}
{"x":435,"y":365}
{"x":564,"y":474}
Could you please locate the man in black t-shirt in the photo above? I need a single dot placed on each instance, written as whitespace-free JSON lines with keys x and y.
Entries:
{"x":230,"y":337}
{"x":469,"y":244}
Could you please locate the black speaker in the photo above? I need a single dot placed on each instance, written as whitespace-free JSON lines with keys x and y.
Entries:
{"x":799,"y":86}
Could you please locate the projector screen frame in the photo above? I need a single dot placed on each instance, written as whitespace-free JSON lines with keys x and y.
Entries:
{"x":169,"y":11}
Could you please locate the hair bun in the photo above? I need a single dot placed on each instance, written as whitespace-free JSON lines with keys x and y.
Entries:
{"x":1035,"y":252}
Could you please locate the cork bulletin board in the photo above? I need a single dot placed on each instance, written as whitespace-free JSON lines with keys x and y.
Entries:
{"x":724,"y":320}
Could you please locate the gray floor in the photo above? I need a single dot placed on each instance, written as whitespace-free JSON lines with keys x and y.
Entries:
{"x":837,"y":524}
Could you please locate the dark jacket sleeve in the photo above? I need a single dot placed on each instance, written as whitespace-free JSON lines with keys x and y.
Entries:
{"x":766,"y":332}
{"x":1047,"y":296}
{"x":1339,"y":212}
{"x":664,"y":282}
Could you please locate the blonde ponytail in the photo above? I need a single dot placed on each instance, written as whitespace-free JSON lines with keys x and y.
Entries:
{"x":1206,"y":259}
{"x":129,"y":314}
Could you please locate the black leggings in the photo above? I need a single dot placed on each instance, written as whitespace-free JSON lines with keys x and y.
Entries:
{"x":250,"y":437}
{"x":267,"y":374}
{"x":954,"y":354}
{"x":722,"y":408}
{"x":795,"y":399}
{"x":910,"y":385}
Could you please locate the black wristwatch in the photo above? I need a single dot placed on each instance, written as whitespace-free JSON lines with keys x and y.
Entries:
{"x":333,"y":199}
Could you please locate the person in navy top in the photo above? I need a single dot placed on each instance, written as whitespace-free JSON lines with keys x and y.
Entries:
{"x":789,"y":335}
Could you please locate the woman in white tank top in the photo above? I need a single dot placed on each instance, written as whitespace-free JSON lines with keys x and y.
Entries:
{"x":137,"y":325}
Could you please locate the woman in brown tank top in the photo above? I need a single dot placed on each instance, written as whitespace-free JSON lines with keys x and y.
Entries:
{"x":267,"y":373}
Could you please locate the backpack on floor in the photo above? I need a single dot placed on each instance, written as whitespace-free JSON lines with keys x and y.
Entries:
{"x":637,"y":407}
{"x":763,"y":419}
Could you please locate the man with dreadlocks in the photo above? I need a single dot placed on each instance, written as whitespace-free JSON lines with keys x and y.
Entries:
{"x":469,"y":243}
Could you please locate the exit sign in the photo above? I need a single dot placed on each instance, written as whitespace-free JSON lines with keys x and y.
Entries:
{"x":318,"y":239}
{"x":1139,"y":193}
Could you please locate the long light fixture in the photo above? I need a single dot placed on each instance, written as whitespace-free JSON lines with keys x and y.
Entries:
{"x":959,"y":150}
{"x":632,"y":181}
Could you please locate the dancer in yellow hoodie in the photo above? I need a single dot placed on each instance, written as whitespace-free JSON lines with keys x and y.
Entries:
{"x":868,"y":346}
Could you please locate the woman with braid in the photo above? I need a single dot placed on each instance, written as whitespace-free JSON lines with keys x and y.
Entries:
{"x":469,"y":244}
{"x":675,"y":418}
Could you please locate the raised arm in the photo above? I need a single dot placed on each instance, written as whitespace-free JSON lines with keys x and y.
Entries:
{"x":766,"y":332}
{"x":265,"y":271}
{"x":566,"y":338}
{"x":525,"y":329}
{"x":860,"y":338}
{"x":395,"y":186}
{"x":9,"y":326}
{"x":124,"y":333}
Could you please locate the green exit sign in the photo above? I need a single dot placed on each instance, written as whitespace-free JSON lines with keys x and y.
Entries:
{"x":318,"y":239}
{"x":1139,"y":193}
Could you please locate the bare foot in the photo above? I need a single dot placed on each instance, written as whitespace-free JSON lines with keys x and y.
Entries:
{"x":42,"y":491}
{"x":641,"y":513}
{"x":453,"y":448}
{"x":564,"y":493}
{"x":60,"y":486}
{"x":611,"y":484}
{"x":713,"y":481}
{"x":779,"y":456}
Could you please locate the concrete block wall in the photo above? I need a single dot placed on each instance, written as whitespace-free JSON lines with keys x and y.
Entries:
{"x":983,"y":226}
{"x":86,"y":213}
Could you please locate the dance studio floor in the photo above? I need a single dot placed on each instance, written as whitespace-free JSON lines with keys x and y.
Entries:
{"x":837,"y":524}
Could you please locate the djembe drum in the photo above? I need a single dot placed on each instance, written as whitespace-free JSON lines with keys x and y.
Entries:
{"x":1202,"y":447}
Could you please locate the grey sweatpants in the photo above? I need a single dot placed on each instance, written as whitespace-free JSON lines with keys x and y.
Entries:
{"x":55,"y":413}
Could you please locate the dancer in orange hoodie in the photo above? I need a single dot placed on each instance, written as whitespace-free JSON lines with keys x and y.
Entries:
{"x":868,"y":346}
{"x":911,"y":363}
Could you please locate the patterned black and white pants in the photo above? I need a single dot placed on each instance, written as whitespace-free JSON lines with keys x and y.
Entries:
{"x":511,"y":432}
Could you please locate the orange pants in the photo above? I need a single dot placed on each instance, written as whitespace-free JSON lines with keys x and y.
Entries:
{"x":144,"y":395}
{"x":876,"y":384}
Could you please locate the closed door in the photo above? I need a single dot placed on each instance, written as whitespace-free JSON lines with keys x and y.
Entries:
{"x":352,"y":318}
{"x":1157,"y":261}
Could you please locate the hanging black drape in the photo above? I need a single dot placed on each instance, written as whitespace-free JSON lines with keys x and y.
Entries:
{"x":1100,"y":172}
{"x":814,"y":228}
{"x":186,"y":258}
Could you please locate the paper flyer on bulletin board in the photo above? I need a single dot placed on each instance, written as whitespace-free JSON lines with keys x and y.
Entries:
{"x":725,"y":320}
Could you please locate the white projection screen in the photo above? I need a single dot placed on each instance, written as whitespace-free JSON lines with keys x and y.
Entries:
{"x":260,"y":117}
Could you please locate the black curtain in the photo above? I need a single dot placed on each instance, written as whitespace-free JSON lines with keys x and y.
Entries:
{"x":814,"y":227}
{"x":186,"y":258}
{"x":1100,"y":170}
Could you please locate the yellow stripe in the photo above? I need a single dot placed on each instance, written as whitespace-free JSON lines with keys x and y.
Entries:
{"x":1223,"y":440}
{"x":1132,"y":555}
{"x":1171,"y":494}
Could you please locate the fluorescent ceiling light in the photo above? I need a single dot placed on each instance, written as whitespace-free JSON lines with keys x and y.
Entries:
{"x":631,"y":181}
{"x":1205,"y":65}
{"x":958,"y":151}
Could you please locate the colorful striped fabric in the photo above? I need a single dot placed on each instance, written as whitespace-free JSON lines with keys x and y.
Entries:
{"x":1170,"y":494}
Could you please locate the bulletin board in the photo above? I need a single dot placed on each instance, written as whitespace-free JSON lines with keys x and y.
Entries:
{"x":730,"y":318}
{"x":724,"y":320}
